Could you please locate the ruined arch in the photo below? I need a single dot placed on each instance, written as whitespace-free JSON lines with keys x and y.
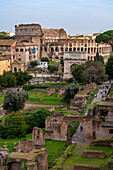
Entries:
{"x":87,"y":124}
{"x":58,"y":129}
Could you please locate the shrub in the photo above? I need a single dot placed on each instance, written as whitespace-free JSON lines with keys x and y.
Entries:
{"x":15,"y":100}
{"x":70,"y":92}
{"x":33,"y":63}
{"x":45,"y":59}
{"x":37,"y":119}
{"x":52,"y":68}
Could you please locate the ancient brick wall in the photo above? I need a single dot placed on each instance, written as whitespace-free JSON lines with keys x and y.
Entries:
{"x":93,"y":154}
{"x":25,"y":146}
{"x":50,"y":91}
{"x":60,"y":92}
{"x":83,"y":167}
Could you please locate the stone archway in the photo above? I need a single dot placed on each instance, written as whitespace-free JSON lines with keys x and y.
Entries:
{"x":58,"y":129}
{"x":71,"y":58}
{"x":86,"y":122}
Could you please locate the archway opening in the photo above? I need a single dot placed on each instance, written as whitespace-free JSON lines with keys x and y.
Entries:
{"x":74,"y":49}
{"x":76,"y":132}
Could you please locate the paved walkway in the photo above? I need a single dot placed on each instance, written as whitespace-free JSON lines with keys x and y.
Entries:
{"x":79,"y":136}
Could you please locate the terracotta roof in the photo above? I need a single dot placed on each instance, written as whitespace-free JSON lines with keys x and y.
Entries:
{"x":6,"y":42}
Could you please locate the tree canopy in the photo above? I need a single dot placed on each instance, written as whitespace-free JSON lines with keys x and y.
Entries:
{"x":52,"y":68}
{"x":15,"y":100}
{"x":106,"y":37}
{"x":33,"y":63}
{"x":9,"y":79}
{"x":70,"y":92}
{"x":45,"y":59}
{"x":4,"y":35}
{"x":91,"y":71}
{"x":37,"y":119}
{"x":15,"y":125}
{"x":109,"y":67}
{"x":99,"y":58}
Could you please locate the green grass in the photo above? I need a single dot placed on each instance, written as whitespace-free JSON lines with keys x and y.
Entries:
{"x":111,"y":54}
{"x":104,"y":139}
{"x":51,"y":100}
{"x":93,"y":105}
{"x":53,"y":63}
{"x":106,"y":149}
{"x":82,"y":95}
{"x":54,"y":147}
{"x":94,"y":90}
{"x":3,"y":118}
{"x":112,"y":89}
{"x":10,"y":142}
{"x":66,"y":112}
{"x":76,"y":157}
{"x":61,"y":159}
{"x":73,"y":128}
{"x":1,"y":99}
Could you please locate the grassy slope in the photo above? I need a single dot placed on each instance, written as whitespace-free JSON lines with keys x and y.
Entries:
{"x":51,"y":100}
{"x":76,"y":157}
{"x":54,"y":150}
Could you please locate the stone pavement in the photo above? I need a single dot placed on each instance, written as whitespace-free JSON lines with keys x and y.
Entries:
{"x":79,"y":136}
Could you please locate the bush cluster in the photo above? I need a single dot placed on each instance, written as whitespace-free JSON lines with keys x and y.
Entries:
{"x":9,"y":79}
{"x":17,"y":125}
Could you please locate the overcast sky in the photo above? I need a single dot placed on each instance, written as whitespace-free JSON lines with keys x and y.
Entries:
{"x":75,"y":16}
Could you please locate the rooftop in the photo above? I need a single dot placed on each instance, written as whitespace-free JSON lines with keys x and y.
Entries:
{"x":7,"y":42}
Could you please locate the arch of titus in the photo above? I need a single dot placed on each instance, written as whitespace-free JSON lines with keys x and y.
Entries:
{"x":71,"y":58}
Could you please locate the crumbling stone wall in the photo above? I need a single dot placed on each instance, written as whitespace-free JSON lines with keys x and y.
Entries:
{"x":90,"y":86}
{"x":78,"y":103}
{"x":35,"y":160}
{"x":42,"y":160}
{"x":60,"y":131}
{"x":83,"y":167}
{"x":25,"y":146}
{"x":38,"y":137}
{"x":102,"y":143}
{"x":60,"y":92}
{"x":50,"y":91}
{"x":93,"y":154}
{"x":53,"y":120}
